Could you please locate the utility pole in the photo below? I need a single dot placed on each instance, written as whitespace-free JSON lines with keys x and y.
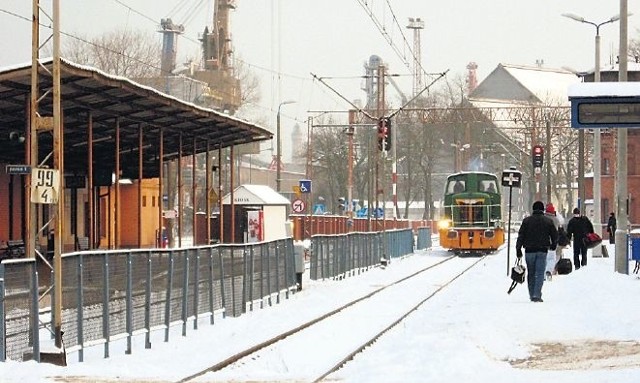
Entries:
{"x":622,"y":203}
{"x":54,"y":176}
{"x":350,"y":132}
{"x":549,"y":157}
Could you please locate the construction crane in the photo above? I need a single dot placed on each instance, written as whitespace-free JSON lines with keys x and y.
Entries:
{"x":224,"y":87}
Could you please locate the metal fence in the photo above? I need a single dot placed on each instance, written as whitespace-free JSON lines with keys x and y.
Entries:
{"x":108,"y":295}
{"x":423,"y":240}
{"x":337,"y":256}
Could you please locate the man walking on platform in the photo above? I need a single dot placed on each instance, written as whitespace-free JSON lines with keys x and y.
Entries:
{"x":578,"y":228}
{"x":537,"y":235}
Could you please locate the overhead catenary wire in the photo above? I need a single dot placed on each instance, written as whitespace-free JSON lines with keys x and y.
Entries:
{"x":383,"y":30}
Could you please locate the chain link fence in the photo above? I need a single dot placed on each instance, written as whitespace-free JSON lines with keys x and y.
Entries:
{"x":108,"y":295}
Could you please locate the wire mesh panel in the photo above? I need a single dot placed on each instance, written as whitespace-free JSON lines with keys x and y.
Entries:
{"x":107,"y":294}
{"x":139,"y":284}
{"x":70,"y":303}
{"x":18,"y":278}
{"x":92,"y":296}
{"x":424,"y":238}
{"x":233,"y":278}
{"x":159,"y":265}
{"x":117,"y":293}
{"x":177,"y":286}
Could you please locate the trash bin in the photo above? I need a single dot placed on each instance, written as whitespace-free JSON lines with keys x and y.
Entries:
{"x":635,"y":246}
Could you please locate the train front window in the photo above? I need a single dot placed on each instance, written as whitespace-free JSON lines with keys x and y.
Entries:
{"x":488,"y":186}
{"x":456,"y":186}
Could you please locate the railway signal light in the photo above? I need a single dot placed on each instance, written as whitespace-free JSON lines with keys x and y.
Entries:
{"x":538,"y":156}
{"x":384,"y":133}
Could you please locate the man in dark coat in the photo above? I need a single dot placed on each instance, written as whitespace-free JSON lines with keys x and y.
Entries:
{"x":578,"y":228}
{"x":612,"y":225}
{"x":538,"y":235}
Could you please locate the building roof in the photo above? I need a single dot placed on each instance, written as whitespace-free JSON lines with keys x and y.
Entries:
{"x":86,"y":91}
{"x":518,"y":84}
{"x":255,"y":195}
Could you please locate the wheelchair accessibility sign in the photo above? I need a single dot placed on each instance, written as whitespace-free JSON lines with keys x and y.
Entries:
{"x":305,"y":186}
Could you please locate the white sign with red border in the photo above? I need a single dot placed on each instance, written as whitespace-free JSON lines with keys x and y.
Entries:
{"x":297,"y":205}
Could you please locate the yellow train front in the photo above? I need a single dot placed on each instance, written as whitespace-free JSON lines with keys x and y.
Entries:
{"x":471,"y":221}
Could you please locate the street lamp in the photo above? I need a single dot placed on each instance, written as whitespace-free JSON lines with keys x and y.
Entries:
{"x":597,"y":145}
{"x":279,"y":145}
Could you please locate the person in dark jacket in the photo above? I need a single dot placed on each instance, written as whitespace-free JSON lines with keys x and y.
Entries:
{"x":612,"y":225}
{"x":577,"y":228}
{"x":538,"y":235}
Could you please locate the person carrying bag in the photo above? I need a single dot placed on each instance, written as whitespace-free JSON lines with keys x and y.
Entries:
{"x":517,"y":274}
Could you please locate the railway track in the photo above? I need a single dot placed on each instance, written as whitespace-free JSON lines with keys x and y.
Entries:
{"x":319,"y":347}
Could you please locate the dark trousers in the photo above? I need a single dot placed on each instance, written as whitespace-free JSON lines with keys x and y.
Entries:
{"x":579,"y":248}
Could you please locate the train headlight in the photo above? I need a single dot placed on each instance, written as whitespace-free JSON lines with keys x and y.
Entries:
{"x":444,"y":224}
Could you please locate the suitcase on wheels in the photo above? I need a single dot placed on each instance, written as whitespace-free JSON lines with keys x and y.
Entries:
{"x":564,"y":266}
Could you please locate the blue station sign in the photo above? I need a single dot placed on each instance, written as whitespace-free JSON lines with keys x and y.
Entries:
{"x":605,"y":105}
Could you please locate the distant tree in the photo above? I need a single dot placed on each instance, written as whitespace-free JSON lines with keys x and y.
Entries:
{"x":124,"y":52}
{"x":329,"y":162}
{"x":634,"y":47}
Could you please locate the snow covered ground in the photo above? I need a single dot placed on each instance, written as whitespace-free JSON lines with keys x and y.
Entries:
{"x":586,"y":330}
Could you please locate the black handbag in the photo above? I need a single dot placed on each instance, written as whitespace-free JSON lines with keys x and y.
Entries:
{"x":517,"y":274}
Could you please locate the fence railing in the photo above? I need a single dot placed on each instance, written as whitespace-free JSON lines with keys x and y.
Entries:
{"x":108,"y":295}
{"x":336,"y":256}
{"x":423,"y":240}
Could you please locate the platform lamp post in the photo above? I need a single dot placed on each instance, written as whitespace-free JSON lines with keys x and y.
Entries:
{"x":279,"y":145}
{"x":597,"y":145}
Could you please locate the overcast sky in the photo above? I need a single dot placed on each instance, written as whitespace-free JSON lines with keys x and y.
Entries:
{"x":334,"y":38}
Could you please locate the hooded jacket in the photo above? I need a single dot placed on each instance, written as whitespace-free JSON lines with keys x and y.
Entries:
{"x":537,"y":233}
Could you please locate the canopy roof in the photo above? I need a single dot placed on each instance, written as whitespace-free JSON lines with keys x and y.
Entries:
{"x":112,"y":101}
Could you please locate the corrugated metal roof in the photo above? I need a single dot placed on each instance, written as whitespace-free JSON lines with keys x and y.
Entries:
{"x":106,"y":98}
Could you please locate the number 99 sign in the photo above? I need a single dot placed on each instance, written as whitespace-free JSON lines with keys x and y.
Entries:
{"x":45,"y":185}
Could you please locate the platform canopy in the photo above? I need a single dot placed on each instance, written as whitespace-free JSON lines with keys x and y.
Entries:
{"x":88,"y":93}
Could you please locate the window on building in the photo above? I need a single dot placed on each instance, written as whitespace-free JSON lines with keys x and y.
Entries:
{"x":606,"y":166}
{"x":144,"y":201}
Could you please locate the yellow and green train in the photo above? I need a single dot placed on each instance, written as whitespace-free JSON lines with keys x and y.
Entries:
{"x":471,"y":221}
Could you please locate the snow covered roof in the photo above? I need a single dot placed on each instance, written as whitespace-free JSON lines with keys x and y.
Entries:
{"x":255,"y":195}
{"x":520,"y":84}
{"x":604,"y":89}
{"x":547,"y":84}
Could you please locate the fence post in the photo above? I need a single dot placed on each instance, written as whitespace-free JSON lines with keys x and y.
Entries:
{"x":196,"y":287}
{"x":105,"y":304}
{"x":222,"y":289}
{"x":3,"y":329}
{"x":147,"y":305}
{"x":263,"y":249}
{"x":251,"y":273}
{"x":80,"y":313}
{"x":185,"y":291}
{"x":128,"y":303}
{"x":278,"y":249}
{"x":288,"y":247}
{"x":167,"y":307}
{"x":53,"y":302}
{"x":245,"y":277}
{"x":269,"y":291}
{"x":35,"y":312}
{"x":211,"y":289}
